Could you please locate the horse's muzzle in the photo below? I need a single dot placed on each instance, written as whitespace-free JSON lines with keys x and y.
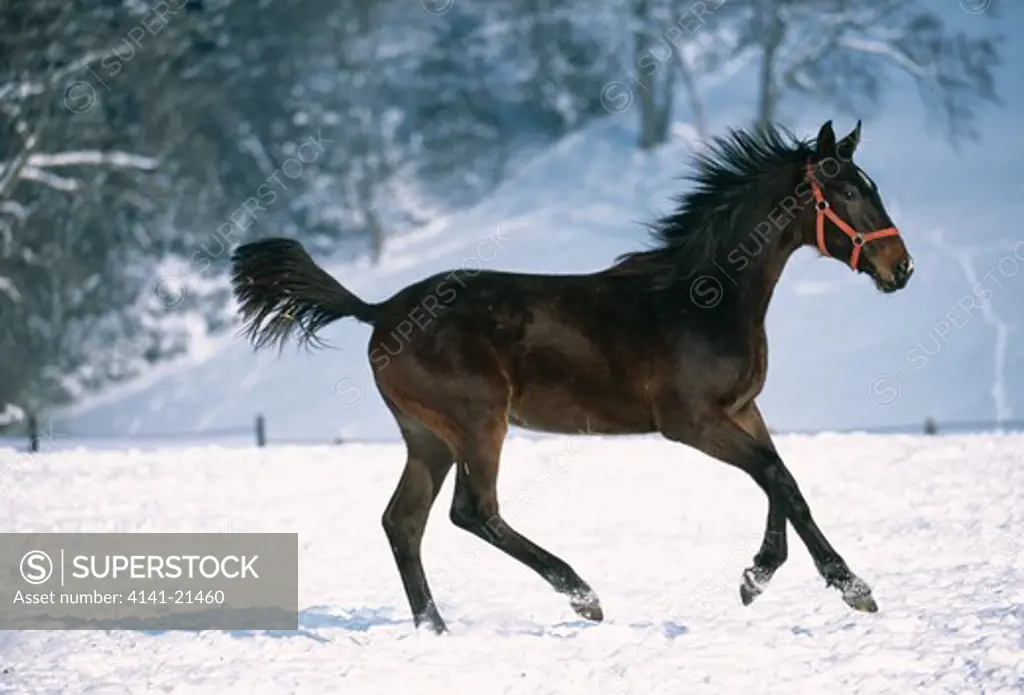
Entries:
{"x":901,"y":272}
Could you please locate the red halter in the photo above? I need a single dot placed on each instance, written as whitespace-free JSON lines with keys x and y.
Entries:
{"x":825,"y":210}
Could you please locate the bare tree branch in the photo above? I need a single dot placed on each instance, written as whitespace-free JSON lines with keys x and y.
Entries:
{"x":839,"y":51}
{"x":885,"y":50}
{"x":113,"y":158}
{"x":33,"y":167}
{"x":61,"y":183}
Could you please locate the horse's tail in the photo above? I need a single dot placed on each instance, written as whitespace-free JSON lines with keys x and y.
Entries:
{"x":279,"y":288}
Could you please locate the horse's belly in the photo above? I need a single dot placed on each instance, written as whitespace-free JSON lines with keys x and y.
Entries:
{"x":551,"y":411}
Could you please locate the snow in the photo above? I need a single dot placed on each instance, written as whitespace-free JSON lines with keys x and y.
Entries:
{"x":94,"y":157}
{"x":934,"y":524}
{"x":988,"y":314}
{"x":11,"y":414}
{"x":35,"y":166}
{"x":8,"y":288}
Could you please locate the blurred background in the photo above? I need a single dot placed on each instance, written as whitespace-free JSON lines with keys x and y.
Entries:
{"x":141,"y":141}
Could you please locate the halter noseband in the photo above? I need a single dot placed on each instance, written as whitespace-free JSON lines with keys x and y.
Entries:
{"x":823,"y":210}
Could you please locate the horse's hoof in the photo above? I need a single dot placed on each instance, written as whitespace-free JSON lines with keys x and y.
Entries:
{"x":431,"y":620}
{"x":434,"y":628}
{"x":864,"y":604}
{"x":752,"y":586}
{"x":857,"y":595}
{"x":586,"y":605}
{"x":590,"y":611}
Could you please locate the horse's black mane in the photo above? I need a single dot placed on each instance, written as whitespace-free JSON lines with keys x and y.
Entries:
{"x":729,"y":177}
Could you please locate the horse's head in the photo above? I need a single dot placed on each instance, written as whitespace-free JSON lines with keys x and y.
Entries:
{"x":850,"y":222}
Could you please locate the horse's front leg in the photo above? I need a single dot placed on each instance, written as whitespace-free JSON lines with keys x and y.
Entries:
{"x":774,"y":547}
{"x":720,"y":437}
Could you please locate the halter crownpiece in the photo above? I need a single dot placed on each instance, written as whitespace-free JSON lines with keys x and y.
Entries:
{"x":823,"y":210}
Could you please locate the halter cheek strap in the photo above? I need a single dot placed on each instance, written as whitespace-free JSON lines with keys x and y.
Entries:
{"x":823,"y":210}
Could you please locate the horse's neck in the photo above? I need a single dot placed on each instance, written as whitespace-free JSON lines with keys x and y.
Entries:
{"x":755,"y":285}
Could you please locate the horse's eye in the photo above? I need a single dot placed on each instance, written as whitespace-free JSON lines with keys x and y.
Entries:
{"x":849,"y":192}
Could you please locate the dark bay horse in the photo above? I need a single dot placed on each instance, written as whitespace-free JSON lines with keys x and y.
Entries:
{"x":669,"y":340}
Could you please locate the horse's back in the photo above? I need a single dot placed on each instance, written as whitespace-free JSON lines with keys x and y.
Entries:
{"x":560,"y":353}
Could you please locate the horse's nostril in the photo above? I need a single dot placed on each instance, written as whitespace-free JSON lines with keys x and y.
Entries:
{"x":901,"y":271}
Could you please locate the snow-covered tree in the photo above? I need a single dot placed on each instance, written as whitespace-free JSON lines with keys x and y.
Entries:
{"x":141,"y":141}
{"x":843,"y":51}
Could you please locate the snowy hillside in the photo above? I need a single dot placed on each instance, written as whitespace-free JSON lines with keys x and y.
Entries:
{"x":936,"y":525}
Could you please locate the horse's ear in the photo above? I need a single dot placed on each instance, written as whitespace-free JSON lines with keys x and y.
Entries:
{"x":826,"y":141}
{"x":848,"y":145}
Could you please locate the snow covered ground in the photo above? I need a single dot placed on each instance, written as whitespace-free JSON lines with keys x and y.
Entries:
{"x":936,"y":525}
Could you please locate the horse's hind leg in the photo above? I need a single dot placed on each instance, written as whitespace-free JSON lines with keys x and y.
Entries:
{"x":475,"y":509}
{"x":462,"y":395}
{"x":429,"y":460}
{"x":774,"y":550}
